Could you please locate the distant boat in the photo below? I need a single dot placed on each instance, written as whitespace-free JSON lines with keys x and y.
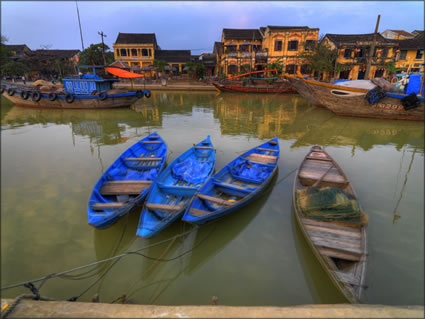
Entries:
{"x":83,"y":91}
{"x":175,"y":187}
{"x":127,"y":181}
{"x":237,"y":184}
{"x":349,"y":100}
{"x":332,"y":221}
{"x":247,"y":83}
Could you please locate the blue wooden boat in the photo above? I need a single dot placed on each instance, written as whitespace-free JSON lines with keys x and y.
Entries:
{"x":174,"y":189}
{"x":127,"y":181}
{"x":238,"y":183}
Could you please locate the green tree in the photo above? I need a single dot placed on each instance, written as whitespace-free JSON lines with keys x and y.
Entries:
{"x":195,"y":70}
{"x":7,"y":65}
{"x":93,"y":55}
{"x":160,"y":64}
{"x":276,"y":65}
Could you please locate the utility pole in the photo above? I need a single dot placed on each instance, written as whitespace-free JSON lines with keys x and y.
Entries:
{"x":372,"y":49}
{"x":103,"y":46}
{"x":81,"y":32}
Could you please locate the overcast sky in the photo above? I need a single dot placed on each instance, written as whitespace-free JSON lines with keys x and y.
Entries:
{"x":193,"y":25}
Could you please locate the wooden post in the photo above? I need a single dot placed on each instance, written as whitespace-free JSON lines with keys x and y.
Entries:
{"x":372,"y":48}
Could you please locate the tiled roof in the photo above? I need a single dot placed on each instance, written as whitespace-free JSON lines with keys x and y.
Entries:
{"x":18,"y":48}
{"x":353,"y":38}
{"x":288,"y":28}
{"x":242,"y":34}
{"x":403,"y":33}
{"x":173,"y":55}
{"x":136,"y":38}
{"x":54,"y":54}
{"x":416,"y":43}
{"x":218,"y":47}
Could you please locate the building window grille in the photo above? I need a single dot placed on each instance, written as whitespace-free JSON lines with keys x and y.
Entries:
{"x":144,"y":52}
{"x":347,"y":53}
{"x":133,"y":52}
{"x":293,"y":45}
{"x":384,"y":53}
{"x":403,"y":54}
{"x":291,"y":68}
{"x":419,"y":54}
{"x":278,"y":45}
{"x":123,"y":52}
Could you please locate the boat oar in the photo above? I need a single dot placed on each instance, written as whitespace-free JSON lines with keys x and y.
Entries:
{"x":323,"y":176}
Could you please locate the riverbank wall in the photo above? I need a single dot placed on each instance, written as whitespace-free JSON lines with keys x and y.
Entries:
{"x":28,"y":308}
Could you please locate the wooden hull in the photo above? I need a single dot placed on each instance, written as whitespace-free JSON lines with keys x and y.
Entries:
{"x":172,"y":193}
{"x":351,"y":102}
{"x":80,"y":102}
{"x":340,"y":249}
{"x":280,"y":87}
{"x":127,"y":181}
{"x":226,"y":192}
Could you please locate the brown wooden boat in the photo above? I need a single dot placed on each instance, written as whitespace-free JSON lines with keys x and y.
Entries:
{"x":352,"y":102}
{"x":341,"y":248}
{"x":246,"y":83}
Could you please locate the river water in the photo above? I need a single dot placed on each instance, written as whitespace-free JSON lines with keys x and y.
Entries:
{"x":50,"y":160}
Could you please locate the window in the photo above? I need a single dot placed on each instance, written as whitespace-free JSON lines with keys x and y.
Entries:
{"x":293,"y":45}
{"x":291,"y":68}
{"x":150,"y":52}
{"x":118,"y":52}
{"x":305,"y":69}
{"x":144,"y":52}
{"x":278,"y":45}
{"x":403,"y":54}
{"x":419,"y":54}
{"x":123,"y":52}
{"x":133,"y":52}
{"x":359,"y":53}
{"x":347,"y":53}
{"x":309,"y":44}
{"x":343,"y":75}
{"x":384,"y":52}
{"x":256,"y":48}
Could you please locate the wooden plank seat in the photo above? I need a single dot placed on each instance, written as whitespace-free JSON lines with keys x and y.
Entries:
{"x":143,"y":158}
{"x":273,"y":143}
{"x":203,"y":148}
{"x":175,"y":208}
{"x":314,"y":158}
{"x":261,"y":158}
{"x":312,"y":171}
{"x":348,"y":278}
{"x":216,"y":200}
{"x":237,"y":187}
{"x":198,"y":212}
{"x":102,"y":206}
{"x":266,"y":149}
{"x":124,"y":187}
{"x":333,"y":225}
{"x":151,"y":142}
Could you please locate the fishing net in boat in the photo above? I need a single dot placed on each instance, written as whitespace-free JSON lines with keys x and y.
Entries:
{"x":192,"y":170}
{"x":244,"y":169}
{"x":329,"y":204}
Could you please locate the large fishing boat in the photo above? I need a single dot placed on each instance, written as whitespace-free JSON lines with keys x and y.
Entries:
{"x":349,"y":99}
{"x":82,"y":91}
{"x":248,"y":83}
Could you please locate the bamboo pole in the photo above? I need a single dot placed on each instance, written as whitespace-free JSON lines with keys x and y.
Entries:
{"x":372,"y":48}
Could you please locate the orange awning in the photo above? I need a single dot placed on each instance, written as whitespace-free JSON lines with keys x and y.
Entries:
{"x":123,"y":73}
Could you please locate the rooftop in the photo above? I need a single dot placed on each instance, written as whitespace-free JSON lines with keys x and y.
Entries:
{"x":288,"y":28}
{"x":417,"y":43}
{"x":354,"y":38}
{"x":173,"y":55}
{"x":242,"y":34}
{"x":136,"y":38}
{"x":403,"y":33}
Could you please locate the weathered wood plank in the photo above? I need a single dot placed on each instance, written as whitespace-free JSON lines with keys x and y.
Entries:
{"x":198,"y":212}
{"x":216,"y":200}
{"x":203,"y":147}
{"x":151,"y":142}
{"x":347,"y":278}
{"x":266,"y":149}
{"x":254,"y":157}
{"x":356,"y":235}
{"x":154,"y":206}
{"x":143,"y":159}
{"x":102,"y":206}
{"x":330,"y":235}
{"x":324,"y":159}
{"x":124,"y":187}
{"x":307,"y":221}
{"x":343,"y":246}
{"x":231,"y":186}
{"x":338,"y":254}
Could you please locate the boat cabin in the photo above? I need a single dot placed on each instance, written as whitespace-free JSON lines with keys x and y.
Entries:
{"x":86,"y":83}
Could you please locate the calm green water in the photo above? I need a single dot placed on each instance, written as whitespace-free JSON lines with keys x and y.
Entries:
{"x":50,"y":159}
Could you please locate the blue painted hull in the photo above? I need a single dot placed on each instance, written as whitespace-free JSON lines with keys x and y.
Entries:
{"x":176,"y":191}
{"x":232,"y":188}
{"x":125,"y":170}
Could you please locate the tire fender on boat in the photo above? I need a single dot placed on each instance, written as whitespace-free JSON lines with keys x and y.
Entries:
{"x":102,"y":96}
{"x":36,"y":96}
{"x":139,"y":94}
{"x":148,"y":94}
{"x":69,"y":98}
{"x":52,"y":96}
{"x":24,"y":95}
{"x":11,"y":92}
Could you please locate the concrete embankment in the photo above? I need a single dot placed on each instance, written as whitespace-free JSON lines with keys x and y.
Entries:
{"x":65,"y":309}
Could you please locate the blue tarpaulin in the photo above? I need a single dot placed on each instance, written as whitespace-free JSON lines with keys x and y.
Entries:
{"x":192,"y":170}
{"x":247,"y":170}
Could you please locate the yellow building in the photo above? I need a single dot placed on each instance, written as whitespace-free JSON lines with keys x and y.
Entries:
{"x":287,"y":43}
{"x":135,"y":49}
{"x":410,"y":56}
{"x":353,"y":51}
{"x":246,"y":50}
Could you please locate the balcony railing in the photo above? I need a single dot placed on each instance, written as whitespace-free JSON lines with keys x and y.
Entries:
{"x":246,"y":54}
{"x":232,"y":54}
